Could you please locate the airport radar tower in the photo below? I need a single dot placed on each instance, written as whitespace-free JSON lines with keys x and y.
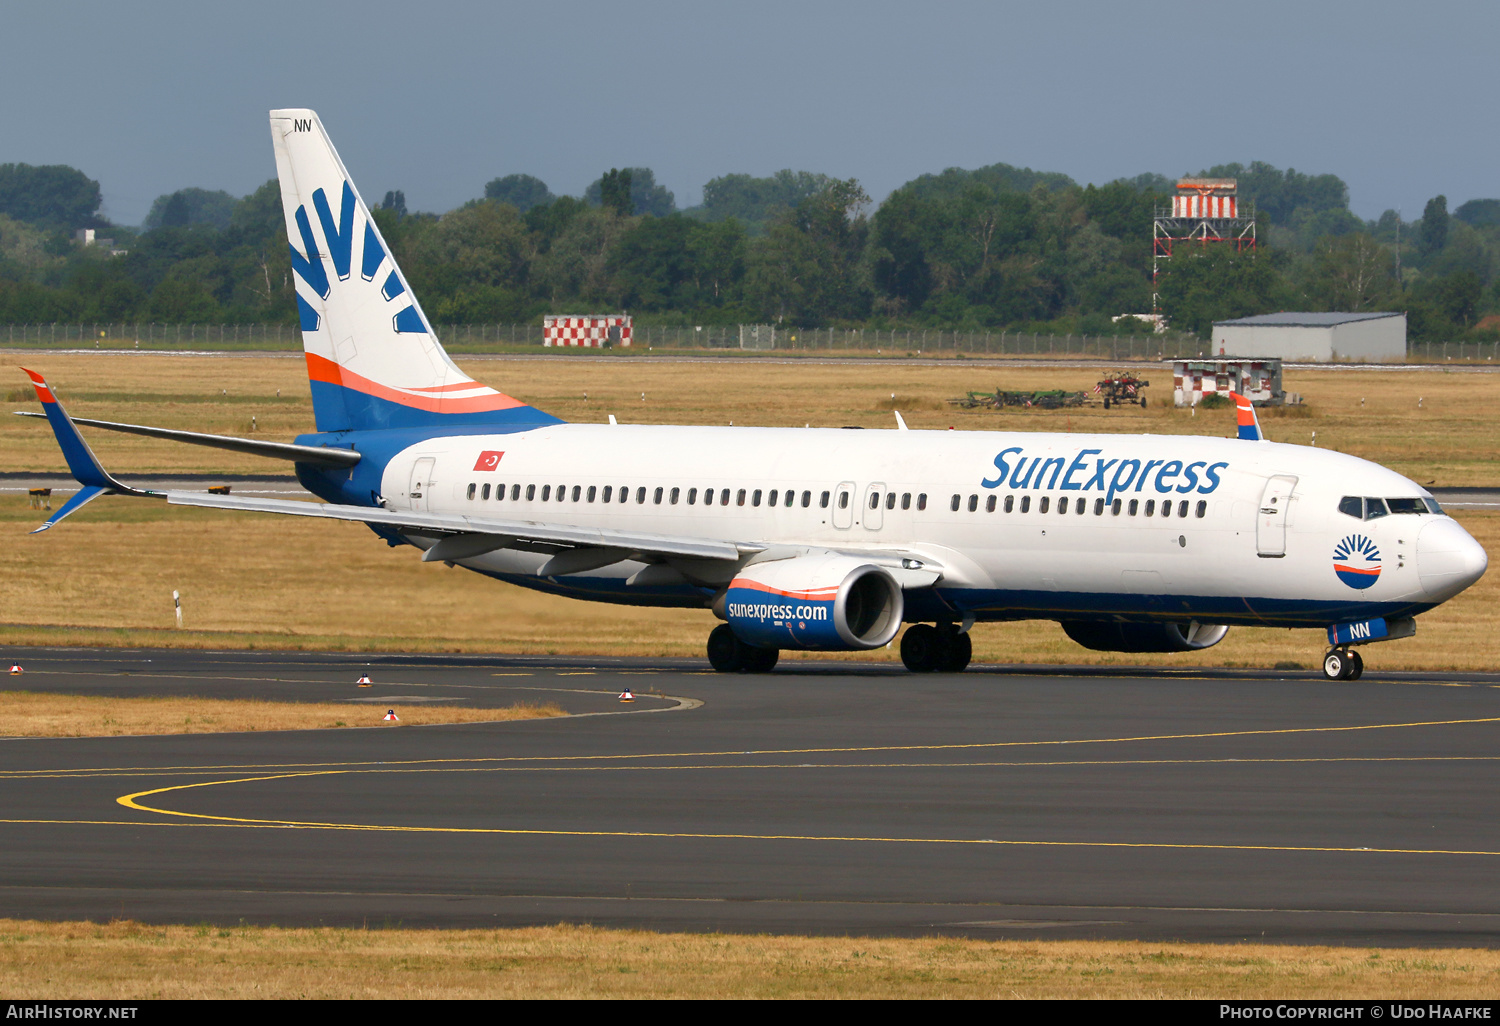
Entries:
{"x":1204,"y":210}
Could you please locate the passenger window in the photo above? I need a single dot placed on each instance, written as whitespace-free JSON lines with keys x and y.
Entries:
{"x":922,"y":501}
{"x":791,"y":497}
{"x":1080,"y":505}
{"x":593,"y":492}
{"x":530,"y":492}
{"x":973,"y":503}
{"x":471,"y":489}
{"x":1150,"y":507}
{"x":957,"y":499}
{"x":484,"y":493}
{"x":624,"y":493}
{"x":906,"y":500}
{"x":755,"y":497}
{"x":1098,"y":507}
{"x":1010,"y":503}
{"x":1202,"y":509}
{"x":739,"y":500}
{"x":890,"y":500}
{"x":1042,"y":506}
{"x":672,"y":498}
{"x":656,"y":497}
{"x":874,"y":500}
{"x":1062,"y":504}
{"x":640,"y":496}
{"x":562,"y":493}
{"x":806,"y":499}
{"x":989,"y":504}
{"x":771,"y":499}
{"x":843,"y":500}
{"x":608,"y":493}
{"x":577,"y":492}
{"x":1166,"y":507}
{"x":723,"y":496}
{"x":1025,"y":504}
{"x":515,"y":493}
{"x":546,"y":492}
{"x":1182,"y":508}
{"x":1352,"y":506}
{"x":1135,"y":505}
{"x":1115,"y":507}
{"x":692,"y":496}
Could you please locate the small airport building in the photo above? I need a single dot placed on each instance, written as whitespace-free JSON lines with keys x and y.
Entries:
{"x":1315,"y":337}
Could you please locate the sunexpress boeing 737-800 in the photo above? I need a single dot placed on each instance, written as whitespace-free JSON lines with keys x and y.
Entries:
{"x":817,"y":538}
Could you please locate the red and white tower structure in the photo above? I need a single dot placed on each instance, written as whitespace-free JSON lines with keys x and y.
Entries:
{"x":1204,"y":211}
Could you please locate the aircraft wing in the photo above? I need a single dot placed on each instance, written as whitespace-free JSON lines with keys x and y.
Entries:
{"x":253,"y":446}
{"x":474,"y":535}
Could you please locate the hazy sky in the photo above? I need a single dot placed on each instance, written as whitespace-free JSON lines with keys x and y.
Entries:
{"x":438,"y":98}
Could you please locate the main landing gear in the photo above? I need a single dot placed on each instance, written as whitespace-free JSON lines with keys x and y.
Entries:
{"x":728,"y":654}
{"x":925,"y":648}
{"x":1343,"y":664}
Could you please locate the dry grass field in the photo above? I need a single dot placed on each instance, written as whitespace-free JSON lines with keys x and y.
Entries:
{"x":1449,"y":440}
{"x":33,"y":714}
{"x":129,"y":960}
{"x":106,"y":576}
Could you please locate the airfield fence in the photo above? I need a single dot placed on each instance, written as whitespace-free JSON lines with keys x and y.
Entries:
{"x":479,"y":338}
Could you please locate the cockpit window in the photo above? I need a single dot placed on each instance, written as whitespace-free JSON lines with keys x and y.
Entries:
{"x":1368,"y":508}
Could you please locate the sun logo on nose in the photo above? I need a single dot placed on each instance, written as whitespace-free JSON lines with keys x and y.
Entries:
{"x":1356,"y":560}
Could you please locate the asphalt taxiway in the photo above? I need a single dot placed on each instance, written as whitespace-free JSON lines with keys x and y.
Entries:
{"x":827,"y":797}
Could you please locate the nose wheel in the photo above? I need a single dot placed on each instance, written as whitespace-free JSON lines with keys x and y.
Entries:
{"x":1343,"y":664}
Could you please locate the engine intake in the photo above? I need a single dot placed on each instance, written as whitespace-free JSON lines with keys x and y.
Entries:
{"x":828,"y":601}
{"x":1145,"y":637}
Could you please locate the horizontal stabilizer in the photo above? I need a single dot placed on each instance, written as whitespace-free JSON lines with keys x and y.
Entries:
{"x":255,"y":447}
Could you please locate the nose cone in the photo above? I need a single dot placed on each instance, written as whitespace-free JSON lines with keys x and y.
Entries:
{"x":1448,"y":558}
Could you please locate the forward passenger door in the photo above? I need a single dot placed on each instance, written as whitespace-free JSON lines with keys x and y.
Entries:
{"x":1272,"y":516}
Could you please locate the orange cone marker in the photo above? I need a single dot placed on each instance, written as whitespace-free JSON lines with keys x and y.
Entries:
{"x":626,"y":696}
{"x":390,"y":715}
{"x":364,"y":681}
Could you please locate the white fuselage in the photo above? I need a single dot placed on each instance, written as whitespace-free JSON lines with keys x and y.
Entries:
{"x":1249,"y":534}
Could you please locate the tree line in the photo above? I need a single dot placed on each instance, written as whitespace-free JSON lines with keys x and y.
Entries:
{"x":998,"y":247}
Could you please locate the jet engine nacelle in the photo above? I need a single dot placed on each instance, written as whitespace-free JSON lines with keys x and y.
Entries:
{"x":1145,"y":637}
{"x":826,"y":601}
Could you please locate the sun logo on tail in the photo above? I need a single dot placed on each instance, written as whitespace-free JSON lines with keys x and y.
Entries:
{"x":339,"y":234}
{"x":1356,"y":560}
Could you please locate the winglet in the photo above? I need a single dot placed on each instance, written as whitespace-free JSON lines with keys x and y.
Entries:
{"x":1249,"y":424}
{"x":82,"y":462}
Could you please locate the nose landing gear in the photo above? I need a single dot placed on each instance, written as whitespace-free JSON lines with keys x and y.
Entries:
{"x":1343,"y":664}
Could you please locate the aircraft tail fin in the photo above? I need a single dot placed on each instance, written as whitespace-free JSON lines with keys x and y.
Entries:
{"x":1248,"y":422}
{"x":373,"y":360}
